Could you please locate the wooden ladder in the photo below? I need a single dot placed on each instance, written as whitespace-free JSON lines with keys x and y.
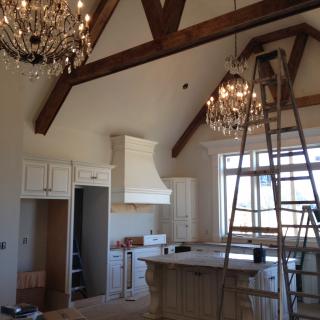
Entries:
{"x":310,"y":216}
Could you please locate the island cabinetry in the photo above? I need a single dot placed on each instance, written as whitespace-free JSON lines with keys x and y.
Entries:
{"x":191,"y":292}
{"x":46,"y":179}
{"x":179,"y":220}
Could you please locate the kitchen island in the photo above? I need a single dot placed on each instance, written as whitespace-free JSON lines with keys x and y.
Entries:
{"x":188,"y":286}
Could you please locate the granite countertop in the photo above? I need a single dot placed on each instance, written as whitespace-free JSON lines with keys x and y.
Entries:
{"x":237,"y":262}
{"x":136,"y":247}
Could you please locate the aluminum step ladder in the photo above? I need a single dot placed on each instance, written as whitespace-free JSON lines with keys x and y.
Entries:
{"x":78,"y":281}
{"x":310,"y":213}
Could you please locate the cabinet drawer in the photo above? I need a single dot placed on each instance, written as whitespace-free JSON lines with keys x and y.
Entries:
{"x":155,"y":239}
{"x":144,"y":253}
{"x":116,"y":255}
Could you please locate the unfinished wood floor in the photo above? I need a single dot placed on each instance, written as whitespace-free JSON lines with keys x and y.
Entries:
{"x":133,"y":310}
{"x":118,"y":310}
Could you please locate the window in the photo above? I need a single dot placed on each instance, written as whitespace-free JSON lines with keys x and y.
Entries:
{"x":255,"y":193}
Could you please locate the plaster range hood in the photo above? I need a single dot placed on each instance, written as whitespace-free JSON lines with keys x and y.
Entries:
{"x":135,"y":178}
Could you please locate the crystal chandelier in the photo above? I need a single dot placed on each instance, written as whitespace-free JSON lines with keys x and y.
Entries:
{"x":228,"y":112}
{"x":43,"y":36}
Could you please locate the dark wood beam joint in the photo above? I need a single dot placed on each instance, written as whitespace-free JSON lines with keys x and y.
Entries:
{"x":153,"y":11}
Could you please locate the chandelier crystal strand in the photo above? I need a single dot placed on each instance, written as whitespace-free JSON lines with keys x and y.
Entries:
{"x":43,"y":36}
{"x":227,"y":113}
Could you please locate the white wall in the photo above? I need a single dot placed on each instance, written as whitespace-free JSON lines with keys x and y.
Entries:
{"x":10,"y":175}
{"x":132,"y":224}
{"x":33,"y":226}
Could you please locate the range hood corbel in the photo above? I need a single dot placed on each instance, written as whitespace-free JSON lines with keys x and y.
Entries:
{"x":135,"y":178}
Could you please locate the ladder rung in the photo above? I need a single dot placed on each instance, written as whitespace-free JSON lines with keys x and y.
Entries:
{"x":304,"y":294}
{"x":272,"y":106}
{"x":302,"y":272}
{"x":266,"y":81}
{"x":253,"y":292}
{"x":78,"y":288}
{"x":299,"y":226}
{"x":295,"y":178}
{"x":255,"y":210}
{"x":261,"y":121}
{"x":283,"y":130}
{"x":261,"y":172}
{"x":301,"y":249}
{"x":76,"y":270}
{"x":298,"y":202}
{"x":290,"y":154}
{"x":255,"y":229}
{"x":304,"y":316}
{"x":267,"y":56}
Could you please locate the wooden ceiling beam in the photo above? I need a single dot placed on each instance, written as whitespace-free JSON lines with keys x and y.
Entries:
{"x":163,"y":20}
{"x":295,"y":60}
{"x":245,"y":18}
{"x":63,"y":86}
{"x":172,"y":13}
{"x":153,"y":11}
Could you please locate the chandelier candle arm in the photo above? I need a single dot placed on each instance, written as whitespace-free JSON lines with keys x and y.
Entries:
{"x":43,"y":36}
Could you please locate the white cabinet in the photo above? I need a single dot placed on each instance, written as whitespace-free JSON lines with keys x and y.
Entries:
{"x":115,"y":274}
{"x":85,"y":174}
{"x":199,"y":293}
{"x":44,"y":179}
{"x":190,"y":293}
{"x":140,"y":267}
{"x":181,"y":231}
{"x":179,"y":220}
{"x":171,"y":295}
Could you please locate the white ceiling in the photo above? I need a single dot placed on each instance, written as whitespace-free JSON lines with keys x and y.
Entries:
{"x":148,"y":100}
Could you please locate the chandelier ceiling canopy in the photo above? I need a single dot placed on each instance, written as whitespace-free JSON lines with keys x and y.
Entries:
{"x":44,"y":35}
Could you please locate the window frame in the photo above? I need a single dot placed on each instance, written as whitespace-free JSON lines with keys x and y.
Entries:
{"x":255,"y":186}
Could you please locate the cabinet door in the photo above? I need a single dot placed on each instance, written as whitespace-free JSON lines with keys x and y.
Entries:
{"x":181,"y":231}
{"x":180,"y":200}
{"x":59,"y":180}
{"x":166,"y":228}
{"x":194,"y":231}
{"x":115,"y":277}
{"x":193,"y":200}
{"x":102,"y":177}
{"x":208,"y":295}
{"x":190,"y":296}
{"x":34,"y":179}
{"x":84,"y":175}
{"x":171,"y":295}
{"x":166,"y":210}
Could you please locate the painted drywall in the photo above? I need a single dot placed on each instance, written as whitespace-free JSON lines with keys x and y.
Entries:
{"x":32,"y":228}
{"x":132,"y":224}
{"x":10,"y":177}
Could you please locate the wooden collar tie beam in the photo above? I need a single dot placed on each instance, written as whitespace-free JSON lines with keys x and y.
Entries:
{"x":245,"y":18}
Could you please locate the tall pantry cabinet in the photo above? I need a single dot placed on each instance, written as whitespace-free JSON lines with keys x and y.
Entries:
{"x":179,"y":220}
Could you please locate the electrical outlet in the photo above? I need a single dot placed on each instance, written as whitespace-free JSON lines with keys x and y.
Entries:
{"x":3,"y":245}
{"x":25,"y":240}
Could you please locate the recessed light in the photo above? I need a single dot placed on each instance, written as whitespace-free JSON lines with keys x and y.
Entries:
{"x":185,"y":86}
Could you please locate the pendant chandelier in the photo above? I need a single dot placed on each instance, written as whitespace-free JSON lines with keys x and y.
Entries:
{"x":40,"y":37}
{"x":227,"y":113}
